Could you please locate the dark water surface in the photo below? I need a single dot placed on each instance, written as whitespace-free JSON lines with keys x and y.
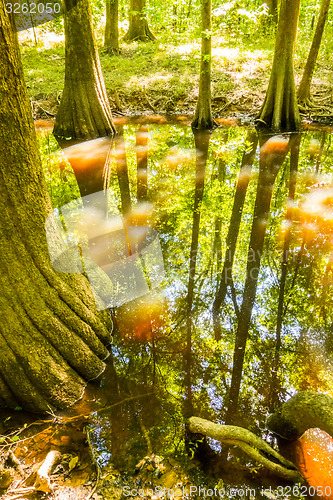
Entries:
{"x":243,"y":317}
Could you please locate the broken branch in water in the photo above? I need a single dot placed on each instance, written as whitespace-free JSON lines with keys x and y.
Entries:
{"x":43,"y":482}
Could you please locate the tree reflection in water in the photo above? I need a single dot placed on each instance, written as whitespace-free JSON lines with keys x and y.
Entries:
{"x":246,"y":228}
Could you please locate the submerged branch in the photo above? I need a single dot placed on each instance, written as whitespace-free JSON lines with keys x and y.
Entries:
{"x":254,"y":446}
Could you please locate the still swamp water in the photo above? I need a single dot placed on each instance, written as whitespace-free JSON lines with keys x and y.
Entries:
{"x":241,"y":321}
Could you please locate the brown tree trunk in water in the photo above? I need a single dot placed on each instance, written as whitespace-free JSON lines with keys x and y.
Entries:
{"x":275,"y":386}
{"x":203,"y":118}
{"x":201,"y":144}
{"x":51,"y":337}
{"x":303,"y":92}
{"x":235,"y":220}
{"x":90,"y":163}
{"x":280,"y":109}
{"x":111,"y":36}
{"x":138,"y":24}
{"x":270,"y":163}
{"x":142,"y":163}
{"x":84,"y":112}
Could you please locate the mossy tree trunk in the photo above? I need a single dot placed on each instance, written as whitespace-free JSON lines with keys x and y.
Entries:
{"x":138,"y":24}
{"x":203,"y":114}
{"x":111,"y":36}
{"x":304,"y":87}
{"x":84,"y":112}
{"x":52,"y":339}
{"x":305,"y":410}
{"x":280,"y":109}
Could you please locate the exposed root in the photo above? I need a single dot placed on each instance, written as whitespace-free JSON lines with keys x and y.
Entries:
{"x":251,"y":444}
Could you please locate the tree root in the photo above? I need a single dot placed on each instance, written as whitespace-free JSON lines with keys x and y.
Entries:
{"x":251,"y":444}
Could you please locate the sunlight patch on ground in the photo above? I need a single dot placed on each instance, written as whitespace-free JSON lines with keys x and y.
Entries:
{"x":149,"y":80}
{"x":45,"y":39}
{"x":245,"y":61}
{"x":186,"y":48}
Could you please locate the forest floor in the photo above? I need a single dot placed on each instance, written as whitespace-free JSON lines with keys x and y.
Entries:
{"x":161,"y":77}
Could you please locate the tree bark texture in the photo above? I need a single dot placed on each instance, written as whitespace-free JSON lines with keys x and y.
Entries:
{"x":51,"y":338}
{"x":270,"y":163}
{"x":253,"y":445}
{"x":138,"y":24}
{"x":305,"y":410}
{"x":84,"y":112}
{"x":203,"y":114}
{"x":280,"y":109}
{"x":304,"y":87}
{"x":235,"y":221}
{"x":111,"y":36}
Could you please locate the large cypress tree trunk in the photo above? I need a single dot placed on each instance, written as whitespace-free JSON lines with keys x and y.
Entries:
{"x":280,"y":109}
{"x":51,"y":338}
{"x":111,"y":36}
{"x":203,"y":118}
{"x":84,"y":112}
{"x":138,"y":24}
{"x":304,"y":86}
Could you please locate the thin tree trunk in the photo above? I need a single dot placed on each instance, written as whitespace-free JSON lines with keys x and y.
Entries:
{"x":203,"y":118}
{"x":275,"y":388}
{"x":201,"y":144}
{"x":142,"y":163}
{"x":234,"y":225}
{"x":304,"y":87}
{"x":138,"y":24}
{"x":280,"y":109}
{"x":122,"y":174}
{"x":273,"y":9}
{"x":321,"y":150}
{"x":111,"y":36}
{"x":51,"y":337}
{"x":270,"y":163}
{"x":84,"y":112}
